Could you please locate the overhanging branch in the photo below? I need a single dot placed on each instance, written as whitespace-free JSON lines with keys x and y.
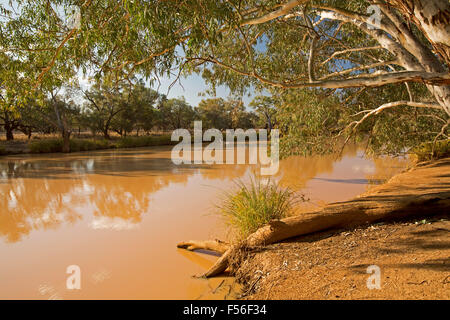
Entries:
{"x":388,"y":105}
{"x":274,"y":14}
{"x":354,"y":82}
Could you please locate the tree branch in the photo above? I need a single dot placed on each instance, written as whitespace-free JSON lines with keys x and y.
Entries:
{"x":365,"y":67}
{"x":361,"y":81}
{"x":388,"y":105}
{"x":274,"y":14}
{"x":337,"y":53}
{"x":407,"y":60}
{"x":312,"y":51}
{"x":407,"y":38}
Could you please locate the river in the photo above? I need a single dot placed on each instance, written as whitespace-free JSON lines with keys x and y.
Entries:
{"x":119,"y":214}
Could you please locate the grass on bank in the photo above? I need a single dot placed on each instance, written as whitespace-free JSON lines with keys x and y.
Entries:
{"x":432,"y":151}
{"x":144,"y":141}
{"x":255,"y":204}
{"x":56,"y":145}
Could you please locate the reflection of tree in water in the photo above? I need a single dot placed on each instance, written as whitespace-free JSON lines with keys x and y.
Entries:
{"x":43,"y":197}
{"x":45,"y":193}
{"x":295,"y":172}
{"x":125,"y":197}
{"x":225,"y":171}
{"x":30,"y":203}
{"x":386,"y":168}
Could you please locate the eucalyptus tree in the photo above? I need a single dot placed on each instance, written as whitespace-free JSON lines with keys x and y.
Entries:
{"x":239,"y":117}
{"x":105,"y":100}
{"x":140,"y":111}
{"x":13,"y":93}
{"x":175,"y":113}
{"x":143,"y":102}
{"x":32,"y":121}
{"x":330,"y":44}
{"x":62,"y":111}
{"x":28,"y":39}
{"x":265,"y":107}
{"x":10,"y":118}
{"x":215,"y":113}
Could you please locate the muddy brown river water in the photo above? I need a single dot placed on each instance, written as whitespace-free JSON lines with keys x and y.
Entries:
{"x":118,"y":215}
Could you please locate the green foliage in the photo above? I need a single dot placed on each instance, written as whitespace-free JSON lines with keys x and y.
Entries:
{"x":175,"y":114}
{"x":14,"y":97}
{"x":224,"y":114}
{"x":432,"y":151}
{"x":393,"y":131}
{"x":308,"y":121}
{"x":266,"y":111}
{"x":318,"y":121}
{"x":252,"y":206}
{"x":214,"y":113}
{"x":140,"y":113}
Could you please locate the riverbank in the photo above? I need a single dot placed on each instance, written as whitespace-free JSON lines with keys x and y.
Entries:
{"x":413,"y":254}
{"x":85,"y":142}
{"x":54,"y":144}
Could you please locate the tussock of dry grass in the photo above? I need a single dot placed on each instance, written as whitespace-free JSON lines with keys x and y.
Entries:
{"x":255,"y":204}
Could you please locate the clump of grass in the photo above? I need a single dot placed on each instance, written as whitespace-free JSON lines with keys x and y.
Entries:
{"x":89,"y":144}
{"x":46,"y":146}
{"x":432,"y":150}
{"x":254,"y":205}
{"x":144,"y":141}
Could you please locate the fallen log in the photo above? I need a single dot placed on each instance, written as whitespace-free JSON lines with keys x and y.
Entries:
{"x":422,"y":191}
{"x":209,"y":245}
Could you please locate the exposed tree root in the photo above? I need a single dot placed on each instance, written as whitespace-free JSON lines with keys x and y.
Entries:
{"x":422,"y":191}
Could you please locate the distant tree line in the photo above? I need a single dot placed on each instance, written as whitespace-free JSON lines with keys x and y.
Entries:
{"x":122,"y":107}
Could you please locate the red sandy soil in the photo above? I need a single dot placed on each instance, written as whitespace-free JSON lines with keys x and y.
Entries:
{"x":413,"y":256}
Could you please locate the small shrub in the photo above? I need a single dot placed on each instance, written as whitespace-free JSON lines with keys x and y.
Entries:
{"x":252,"y":206}
{"x":432,"y":151}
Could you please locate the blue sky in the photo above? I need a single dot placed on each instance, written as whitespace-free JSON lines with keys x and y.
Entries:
{"x":191,"y":87}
